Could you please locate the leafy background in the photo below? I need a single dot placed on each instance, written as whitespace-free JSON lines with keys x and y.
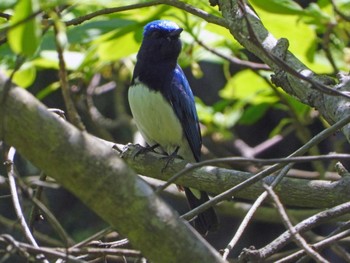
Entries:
{"x":236,"y":103}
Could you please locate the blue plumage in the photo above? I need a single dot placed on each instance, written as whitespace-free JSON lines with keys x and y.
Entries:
{"x":181,"y":98}
{"x":163,"y":107}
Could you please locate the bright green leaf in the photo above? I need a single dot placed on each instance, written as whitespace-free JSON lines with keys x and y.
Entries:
{"x":314,"y":15}
{"x":91,"y":30}
{"x":116,"y":48}
{"x":47,"y":63}
{"x":301,"y":36}
{"x":205,"y":113}
{"x":48,"y":90}
{"x":278,"y":6}
{"x":25,"y":76}
{"x":49,"y":59}
{"x":249,"y":87}
{"x":5,"y":4}
{"x":229,"y":117}
{"x":24,"y":36}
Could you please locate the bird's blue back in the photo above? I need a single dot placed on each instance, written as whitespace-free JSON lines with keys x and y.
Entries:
{"x":181,"y":98}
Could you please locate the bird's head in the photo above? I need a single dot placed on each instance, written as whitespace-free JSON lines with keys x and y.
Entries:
{"x":161,"y":41}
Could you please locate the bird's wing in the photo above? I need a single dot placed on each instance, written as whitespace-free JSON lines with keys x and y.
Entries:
{"x":182,"y":101}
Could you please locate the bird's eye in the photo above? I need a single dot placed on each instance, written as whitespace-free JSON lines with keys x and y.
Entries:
{"x":156,"y":34}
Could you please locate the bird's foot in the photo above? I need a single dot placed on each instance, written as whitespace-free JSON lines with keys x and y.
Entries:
{"x":170,"y":158}
{"x":138,"y":149}
{"x":143,"y":150}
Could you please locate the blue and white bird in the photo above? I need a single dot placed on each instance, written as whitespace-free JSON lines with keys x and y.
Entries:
{"x":163,"y":107}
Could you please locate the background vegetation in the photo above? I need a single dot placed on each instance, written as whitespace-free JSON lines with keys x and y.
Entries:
{"x":78,"y":57}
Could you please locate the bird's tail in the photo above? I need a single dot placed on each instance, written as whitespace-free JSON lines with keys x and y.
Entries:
{"x":206,"y":221}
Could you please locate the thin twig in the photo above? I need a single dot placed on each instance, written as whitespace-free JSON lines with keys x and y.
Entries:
{"x":337,"y":11}
{"x":301,"y":227}
{"x":18,"y":209}
{"x":106,"y":251}
{"x":233,"y":60}
{"x":12,"y":224}
{"x":341,"y":252}
{"x":228,"y":193}
{"x":49,"y":216}
{"x":252,"y":211}
{"x":95,"y":236}
{"x":34,"y":213}
{"x":178,"y":4}
{"x":284,"y":66}
{"x":6,"y":16}
{"x":61,"y":252}
{"x":106,"y":11}
{"x":54,"y":222}
{"x":38,"y":250}
{"x":325,"y":45}
{"x":258,"y":161}
{"x":72,"y":113}
{"x":318,"y":246}
{"x":197,"y":12}
{"x":299,"y":240}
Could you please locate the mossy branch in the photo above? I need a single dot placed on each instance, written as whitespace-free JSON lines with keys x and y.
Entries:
{"x":93,"y":172}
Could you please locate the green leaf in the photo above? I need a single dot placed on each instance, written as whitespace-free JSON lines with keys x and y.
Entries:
{"x":91,"y":30}
{"x":287,"y":7}
{"x":25,"y":76}
{"x":205,"y":113}
{"x":24,"y":36}
{"x":248,"y":87}
{"x":229,"y":117}
{"x":49,"y":59}
{"x":6,"y":4}
{"x":48,"y":90}
{"x":117,"y":48}
{"x":253,"y":113}
{"x":314,"y":15}
{"x":280,"y":126}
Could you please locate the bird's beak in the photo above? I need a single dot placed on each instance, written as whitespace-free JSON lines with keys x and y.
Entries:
{"x":176,"y":32}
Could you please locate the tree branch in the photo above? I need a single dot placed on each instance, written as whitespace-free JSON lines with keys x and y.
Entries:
{"x":292,"y":191}
{"x":247,"y":29}
{"x":285,"y":238}
{"x":92,"y":171}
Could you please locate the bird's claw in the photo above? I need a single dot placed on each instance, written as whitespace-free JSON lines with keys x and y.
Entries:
{"x":139,"y":149}
{"x":170,"y":158}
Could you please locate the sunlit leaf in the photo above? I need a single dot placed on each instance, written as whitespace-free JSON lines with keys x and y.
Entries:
{"x":25,"y":76}
{"x":48,"y":90}
{"x":249,"y":87}
{"x":91,"y":30}
{"x":49,"y":59}
{"x":229,"y":117}
{"x":5,"y":4}
{"x":117,"y":48}
{"x":278,"y":6}
{"x":24,"y":36}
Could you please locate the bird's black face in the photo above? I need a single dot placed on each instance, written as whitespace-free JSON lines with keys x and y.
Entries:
{"x":157,"y":57}
{"x":160,"y":45}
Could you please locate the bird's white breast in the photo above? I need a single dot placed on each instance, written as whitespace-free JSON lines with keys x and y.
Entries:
{"x":156,"y":120}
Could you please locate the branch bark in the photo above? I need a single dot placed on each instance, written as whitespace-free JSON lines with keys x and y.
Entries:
{"x":247,"y":28}
{"x":93,"y":172}
{"x":291,"y":191}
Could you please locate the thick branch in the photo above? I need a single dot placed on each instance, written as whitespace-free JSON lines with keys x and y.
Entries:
{"x":291,"y":191}
{"x":247,"y":29}
{"x":93,"y":172}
